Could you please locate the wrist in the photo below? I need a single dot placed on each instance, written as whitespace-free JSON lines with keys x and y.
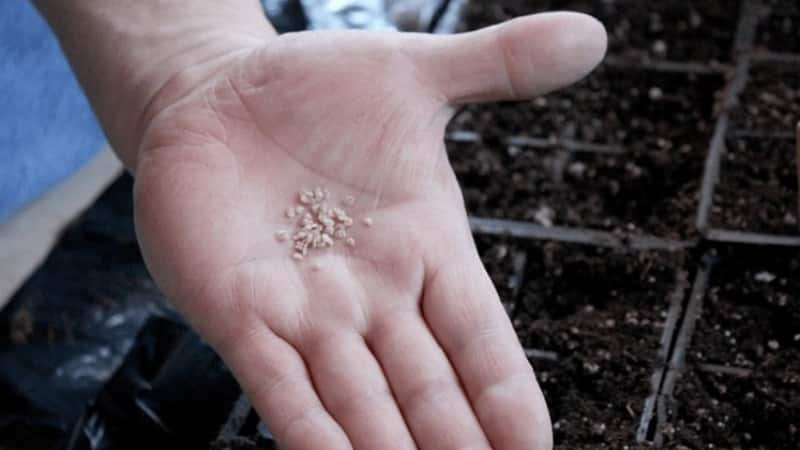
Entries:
{"x":133,"y":59}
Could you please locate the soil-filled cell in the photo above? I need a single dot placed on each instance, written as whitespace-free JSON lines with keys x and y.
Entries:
{"x":654,"y":128}
{"x":779,"y":31}
{"x":770,"y":103}
{"x":757,"y":189}
{"x":750,"y":322}
{"x":602,"y":312}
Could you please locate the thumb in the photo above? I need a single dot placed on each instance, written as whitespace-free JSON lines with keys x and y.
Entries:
{"x":519,"y":59}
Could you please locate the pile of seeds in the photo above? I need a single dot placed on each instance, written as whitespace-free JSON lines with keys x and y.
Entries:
{"x":318,"y":224}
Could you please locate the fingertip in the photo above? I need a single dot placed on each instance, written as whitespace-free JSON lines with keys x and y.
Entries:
{"x":584,"y":40}
{"x":563,"y":48}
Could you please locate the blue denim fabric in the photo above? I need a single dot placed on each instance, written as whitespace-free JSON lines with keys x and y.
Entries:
{"x":47,"y":129}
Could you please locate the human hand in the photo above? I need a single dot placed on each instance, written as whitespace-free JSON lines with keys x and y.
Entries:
{"x":400,"y":341}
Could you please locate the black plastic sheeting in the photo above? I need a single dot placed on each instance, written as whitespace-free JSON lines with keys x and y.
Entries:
{"x":286,"y":15}
{"x":72,"y":323}
{"x":92,"y":356}
{"x":172,"y":391}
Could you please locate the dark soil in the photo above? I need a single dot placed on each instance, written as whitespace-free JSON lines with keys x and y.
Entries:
{"x":757,"y":189}
{"x":498,"y":256}
{"x":780,"y":30}
{"x":771,"y":100}
{"x":602,"y":312}
{"x":750,"y":320}
{"x":660,"y":122}
{"x":681,"y":30}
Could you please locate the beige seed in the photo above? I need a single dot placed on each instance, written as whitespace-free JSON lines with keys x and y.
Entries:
{"x":282,"y":235}
{"x":306,"y":197}
{"x":297,"y":256}
{"x":340,"y":233}
{"x":350,"y":242}
{"x":290,"y":213}
{"x":316,"y":267}
{"x":325,"y":219}
{"x":299,"y":209}
{"x":367,"y":221}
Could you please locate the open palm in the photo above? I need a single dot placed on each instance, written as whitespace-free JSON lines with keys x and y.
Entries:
{"x":399,"y":341}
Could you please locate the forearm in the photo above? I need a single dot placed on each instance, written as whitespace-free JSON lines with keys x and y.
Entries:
{"x":134,"y":57}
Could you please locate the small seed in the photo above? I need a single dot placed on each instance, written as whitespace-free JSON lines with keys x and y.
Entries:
{"x":326,"y":221}
{"x":282,"y":235}
{"x":306,"y":197}
{"x":316,"y":266}
{"x":290,"y":213}
{"x":297,"y":256}
{"x":367,"y":221}
{"x":350,"y":242}
{"x":299,"y":209}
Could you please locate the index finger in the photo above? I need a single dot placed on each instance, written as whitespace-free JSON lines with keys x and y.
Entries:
{"x":463,"y":310}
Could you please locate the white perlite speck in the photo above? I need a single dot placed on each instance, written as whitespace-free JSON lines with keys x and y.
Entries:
{"x":318,"y":224}
{"x":764,"y":277}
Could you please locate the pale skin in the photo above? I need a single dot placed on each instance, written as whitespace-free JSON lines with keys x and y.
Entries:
{"x":398,"y":342}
